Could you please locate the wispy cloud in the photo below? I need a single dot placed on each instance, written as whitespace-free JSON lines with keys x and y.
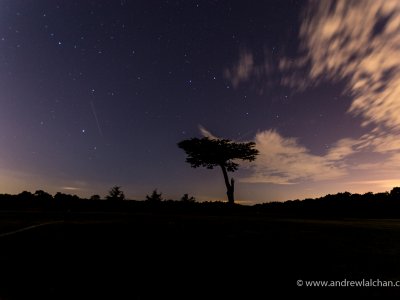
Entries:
{"x":204,"y":132}
{"x":242,"y":70}
{"x":351,"y":41}
{"x":284,"y":161}
{"x":70,"y":188}
{"x":342,"y":150}
{"x":261,"y":75}
{"x":358,"y":41}
{"x":386,"y":184}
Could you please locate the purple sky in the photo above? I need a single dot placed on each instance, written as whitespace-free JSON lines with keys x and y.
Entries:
{"x":98,"y":93}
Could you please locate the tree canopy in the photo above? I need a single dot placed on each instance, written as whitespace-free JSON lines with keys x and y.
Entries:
{"x":154,"y":197}
{"x":210,"y":153}
{"x":115,"y":194}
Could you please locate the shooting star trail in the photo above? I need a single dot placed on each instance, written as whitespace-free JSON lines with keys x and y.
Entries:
{"x":95,"y":117}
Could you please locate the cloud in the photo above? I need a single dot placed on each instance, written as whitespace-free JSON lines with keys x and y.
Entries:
{"x":342,"y":150}
{"x":204,"y":132}
{"x":70,"y":188}
{"x":386,"y":184}
{"x":284,"y":161}
{"x":350,"y":40}
{"x":242,"y":70}
{"x":358,"y":41}
{"x":380,"y":142}
{"x":388,"y":166}
{"x":262,"y":75}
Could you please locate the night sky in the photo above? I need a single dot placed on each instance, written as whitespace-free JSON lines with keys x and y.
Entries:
{"x":98,"y":93}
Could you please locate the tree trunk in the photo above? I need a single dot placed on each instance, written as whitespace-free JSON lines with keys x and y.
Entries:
{"x":230,"y":187}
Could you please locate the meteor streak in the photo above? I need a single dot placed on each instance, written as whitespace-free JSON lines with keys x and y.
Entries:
{"x":95,"y":117}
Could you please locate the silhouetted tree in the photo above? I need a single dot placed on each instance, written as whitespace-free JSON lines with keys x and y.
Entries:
{"x":65,"y":197}
{"x":95,"y":197}
{"x":61,"y":196}
{"x":25,"y":196}
{"x":43,"y":195}
{"x":212,"y":153}
{"x":154,"y":197}
{"x":115,"y":194}
{"x":395,"y":192}
{"x":185,"y":198}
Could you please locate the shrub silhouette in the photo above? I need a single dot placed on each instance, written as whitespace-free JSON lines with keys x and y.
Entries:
{"x":154,"y":197}
{"x":115,"y":194}
{"x":186,"y":198}
{"x":210,"y":153}
{"x":95,"y":197}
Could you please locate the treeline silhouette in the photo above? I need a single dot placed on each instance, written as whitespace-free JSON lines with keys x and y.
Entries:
{"x":346,"y":205}
{"x":368,"y":205}
{"x":115,"y":201}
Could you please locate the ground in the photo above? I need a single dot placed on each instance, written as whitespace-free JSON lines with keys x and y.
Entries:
{"x":189,"y":256}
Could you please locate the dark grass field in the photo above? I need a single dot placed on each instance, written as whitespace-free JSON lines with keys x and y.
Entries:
{"x":178,"y":256}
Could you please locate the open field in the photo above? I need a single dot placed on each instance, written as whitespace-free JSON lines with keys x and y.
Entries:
{"x":146,"y":256}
